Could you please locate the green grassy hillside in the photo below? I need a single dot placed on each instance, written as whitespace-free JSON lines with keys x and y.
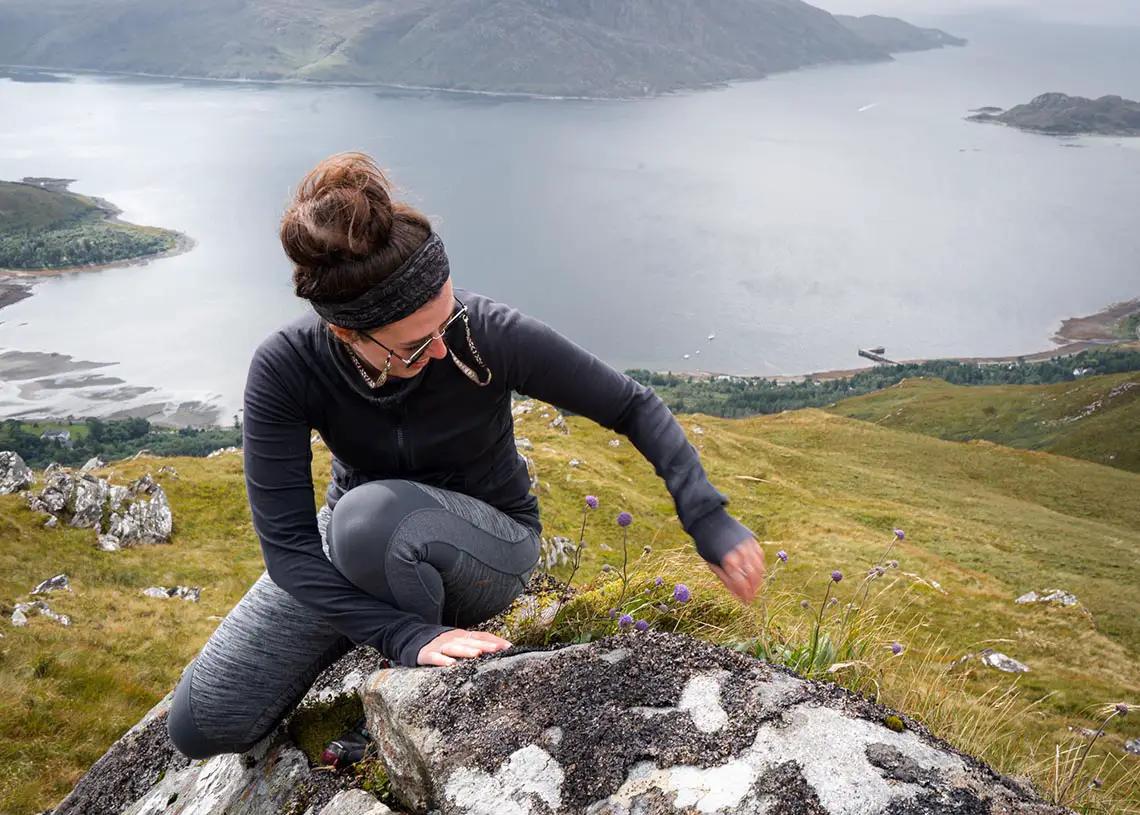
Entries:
{"x":984,"y":523}
{"x":1096,"y":419}
{"x":25,"y":207}
{"x":49,"y":228}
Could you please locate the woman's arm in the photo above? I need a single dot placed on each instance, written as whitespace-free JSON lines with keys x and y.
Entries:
{"x":537,"y":361}
{"x":278,"y":473}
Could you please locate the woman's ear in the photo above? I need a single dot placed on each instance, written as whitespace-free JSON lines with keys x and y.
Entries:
{"x":345,"y":335}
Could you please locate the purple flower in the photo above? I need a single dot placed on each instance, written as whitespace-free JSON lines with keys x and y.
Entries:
{"x":1122,"y":709}
{"x":659,"y":581}
{"x":805,"y":603}
{"x":647,"y":548}
{"x":664,"y":609}
{"x":625,"y":622}
{"x":641,"y":625}
{"x":625,"y":519}
{"x":837,"y":575}
{"x":782,"y":555}
{"x":900,"y":534}
{"x":613,"y":613}
{"x":681,"y":593}
{"x":897,"y":648}
{"x":591,"y":502}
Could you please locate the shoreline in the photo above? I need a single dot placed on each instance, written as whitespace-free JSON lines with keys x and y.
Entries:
{"x":1075,"y":335}
{"x":109,"y":213}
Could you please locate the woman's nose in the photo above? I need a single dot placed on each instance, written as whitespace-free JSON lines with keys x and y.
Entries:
{"x":437,"y":349}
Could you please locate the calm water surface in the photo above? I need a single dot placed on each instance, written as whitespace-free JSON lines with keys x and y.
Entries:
{"x":799,"y":218}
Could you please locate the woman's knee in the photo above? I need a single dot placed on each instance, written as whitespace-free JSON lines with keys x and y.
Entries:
{"x":364,"y":522}
{"x":189,"y":737}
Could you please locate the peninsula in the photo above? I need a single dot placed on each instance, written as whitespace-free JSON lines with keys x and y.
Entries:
{"x":45,"y":229}
{"x":615,"y":49}
{"x":1057,"y":114}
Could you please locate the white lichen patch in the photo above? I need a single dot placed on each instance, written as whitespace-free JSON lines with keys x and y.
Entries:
{"x":701,"y":698}
{"x":830,"y":749}
{"x":525,"y":781}
{"x":615,"y":656}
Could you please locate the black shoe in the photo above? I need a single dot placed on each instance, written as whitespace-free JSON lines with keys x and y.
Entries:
{"x":349,"y":748}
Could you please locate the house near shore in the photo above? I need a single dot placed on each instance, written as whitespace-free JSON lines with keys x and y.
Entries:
{"x":60,"y":437}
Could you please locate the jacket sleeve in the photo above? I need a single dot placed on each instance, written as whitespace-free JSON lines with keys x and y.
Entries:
{"x":537,"y":361}
{"x":278,"y":474}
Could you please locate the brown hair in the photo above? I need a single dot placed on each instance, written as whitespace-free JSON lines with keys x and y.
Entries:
{"x":343,"y":231}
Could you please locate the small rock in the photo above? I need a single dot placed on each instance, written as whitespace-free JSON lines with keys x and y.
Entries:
{"x":1004,"y":663}
{"x":44,"y":609}
{"x":615,"y":442}
{"x":109,"y":543}
{"x":559,"y":423}
{"x":58,"y":582}
{"x":575,"y":462}
{"x":94,"y":463}
{"x":354,"y":802}
{"x":52,"y":522}
{"x":1058,"y":596}
{"x":222,"y":451}
{"x":1133,"y":747}
{"x":15,"y":475}
{"x":193,"y":594}
{"x":698,"y":431}
{"x":524,"y":444}
{"x":144,"y":485}
{"x":19,"y":619}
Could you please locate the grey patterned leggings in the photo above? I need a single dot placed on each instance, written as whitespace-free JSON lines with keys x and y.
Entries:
{"x":450,"y":558}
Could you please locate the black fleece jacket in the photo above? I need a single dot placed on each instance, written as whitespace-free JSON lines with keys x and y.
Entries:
{"x":438,"y":428}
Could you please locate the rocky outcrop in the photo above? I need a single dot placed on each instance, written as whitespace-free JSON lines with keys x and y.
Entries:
{"x":647,"y":723}
{"x":192,"y":593}
{"x":120,"y":515}
{"x":15,"y":475}
{"x":1058,"y":114}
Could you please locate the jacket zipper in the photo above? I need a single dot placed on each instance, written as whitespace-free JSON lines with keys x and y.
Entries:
{"x":400,"y":457}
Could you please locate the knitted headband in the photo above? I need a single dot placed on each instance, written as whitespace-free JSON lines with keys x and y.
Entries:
{"x":402,"y":293}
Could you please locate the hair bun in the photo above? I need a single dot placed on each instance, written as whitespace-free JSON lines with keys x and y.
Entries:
{"x":343,"y":211}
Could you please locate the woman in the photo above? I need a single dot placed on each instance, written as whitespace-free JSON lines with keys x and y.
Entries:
{"x":429,"y":525}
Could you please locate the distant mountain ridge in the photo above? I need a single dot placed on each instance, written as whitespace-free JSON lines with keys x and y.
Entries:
{"x":544,"y":47}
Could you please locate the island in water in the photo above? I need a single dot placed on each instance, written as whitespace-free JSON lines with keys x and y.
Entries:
{"x":46,"y":229}
{"x":1058,"y":114}
{"x":614,"y":49}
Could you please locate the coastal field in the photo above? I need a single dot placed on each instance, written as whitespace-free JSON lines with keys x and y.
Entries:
{"x":983,"y":525}
{"x":1096,"y":419}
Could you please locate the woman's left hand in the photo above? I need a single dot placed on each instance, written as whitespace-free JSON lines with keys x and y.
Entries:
{"x":742,"y":570}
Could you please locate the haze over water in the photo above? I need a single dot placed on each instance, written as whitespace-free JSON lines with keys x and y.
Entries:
{"x":799,"y":218}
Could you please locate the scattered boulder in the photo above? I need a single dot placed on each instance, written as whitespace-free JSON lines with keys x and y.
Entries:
{"x":524,"y":444}
{"x":193,"y":594}
{"x":166,"y":469}
{"x":575,"y":462}
{"x":1058,"y":596}
{"x":52,"y":522}
{"x":84,"y":500}
{"x":660,"y":723}
{"x":559,"y":423}
{"x":15,"y":475}
{"x":993,"y":659}
{"x":57,"y":583}
{"x":698,"y":430}
{"x":22,"y":610}
{"x":1132,"y":747}
{"x":94,"y":463}
{"x":615,"y":442}
{"x":222,"y":451}
{"x":522,"y":409}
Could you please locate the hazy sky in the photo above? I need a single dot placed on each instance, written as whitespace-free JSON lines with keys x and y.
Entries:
{"x":1087,"y":11}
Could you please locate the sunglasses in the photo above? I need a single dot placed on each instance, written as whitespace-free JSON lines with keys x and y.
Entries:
{"x":460,"y":314}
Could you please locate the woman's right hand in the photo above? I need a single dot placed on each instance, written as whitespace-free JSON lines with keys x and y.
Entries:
{"x":459,"y":644}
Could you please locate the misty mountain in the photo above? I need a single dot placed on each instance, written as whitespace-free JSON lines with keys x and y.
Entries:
{"x":893,"y":35}
{"x":560,"y":47}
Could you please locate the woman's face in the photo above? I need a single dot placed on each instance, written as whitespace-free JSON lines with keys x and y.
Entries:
{"x":405,"y":337}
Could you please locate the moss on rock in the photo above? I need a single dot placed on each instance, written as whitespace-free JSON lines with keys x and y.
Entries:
{"x":313,"y":726}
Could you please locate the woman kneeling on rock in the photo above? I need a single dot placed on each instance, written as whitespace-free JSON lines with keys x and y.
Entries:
{"x":429,"y":525}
